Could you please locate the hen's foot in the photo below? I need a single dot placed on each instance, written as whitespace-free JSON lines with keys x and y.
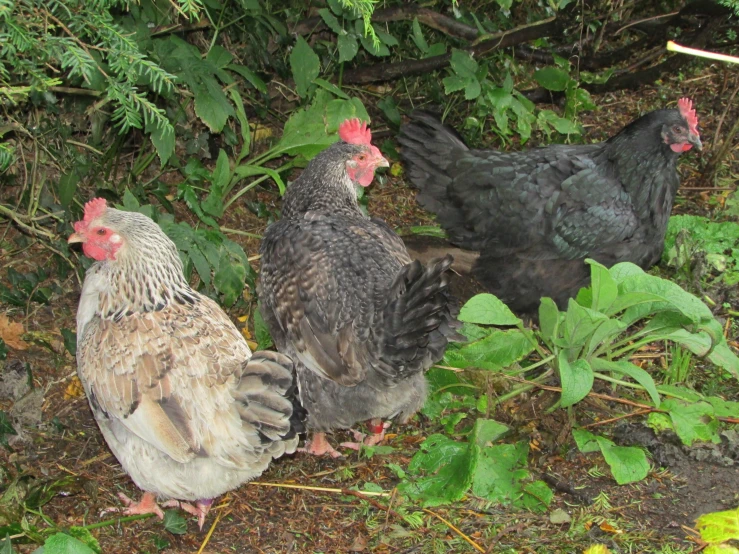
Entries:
{"x":200,"y":510}
{"x":378,"y":435}
{"x":147,"y":505}
{"x":318,"y":446}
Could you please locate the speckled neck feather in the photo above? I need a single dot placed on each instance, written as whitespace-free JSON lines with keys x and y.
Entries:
{"x":324,"y":184}
{"x":147,"y":274}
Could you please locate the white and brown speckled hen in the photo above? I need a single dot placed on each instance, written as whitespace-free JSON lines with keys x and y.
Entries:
{"x":343,"y":299}
{"x":183,"y":404}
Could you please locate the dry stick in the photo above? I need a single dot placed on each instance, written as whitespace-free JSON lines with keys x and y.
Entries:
{"x":710,"y":172}
{"x":318,"y":489}
{"x":373,"y":502}
{"x":453,"y":528}
{"x":213,"y":528}
{"x":624,"y":416}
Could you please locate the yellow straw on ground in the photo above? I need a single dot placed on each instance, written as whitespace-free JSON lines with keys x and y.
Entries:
{"x":674,"y":47}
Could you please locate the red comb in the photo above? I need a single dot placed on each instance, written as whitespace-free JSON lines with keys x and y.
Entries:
{"x":354,"y":131}
{"x":685,"y":105}
{"x":95,"y":208}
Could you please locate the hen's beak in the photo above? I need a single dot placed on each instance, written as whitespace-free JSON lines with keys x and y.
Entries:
{"x":695,"y":141}
{"x":382,"y":162}
{"x":74,"y":238}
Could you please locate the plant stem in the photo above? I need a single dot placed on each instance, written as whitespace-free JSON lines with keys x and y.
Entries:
{"x":617,"y":381}
{"x":532,"y":366}
{"x":244,"y":190}
{"x":505,"y":397}
{"x":109,"y":522}
{"x":241,"y":233}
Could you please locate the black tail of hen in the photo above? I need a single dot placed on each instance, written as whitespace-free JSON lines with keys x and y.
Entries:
{"x":427,"y":150}
{"x":420,"y":318}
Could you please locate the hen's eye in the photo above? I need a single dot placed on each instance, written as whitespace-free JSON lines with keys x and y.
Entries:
{"x":676,"y":129}
{"x":101,"y":232}
{"x":361,"y":157}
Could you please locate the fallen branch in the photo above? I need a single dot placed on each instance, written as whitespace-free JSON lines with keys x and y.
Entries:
{"x":389,"y":71}
{"x":428,"y":17}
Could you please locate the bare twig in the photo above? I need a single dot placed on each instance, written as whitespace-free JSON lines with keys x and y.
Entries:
{"x":17,"y":218}
{"x":460,"y":533}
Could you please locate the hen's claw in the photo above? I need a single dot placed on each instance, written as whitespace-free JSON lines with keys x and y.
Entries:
{"x":147,"y":505}
{"x":367,"y":440}
{"x":200,"y":510}
{"x":318,"y":446}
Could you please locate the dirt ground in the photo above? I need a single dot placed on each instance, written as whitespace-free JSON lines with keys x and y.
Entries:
{"x":60,"y":450}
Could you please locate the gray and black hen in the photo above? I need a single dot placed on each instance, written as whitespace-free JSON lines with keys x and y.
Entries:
{"x":535,"y":215}
{"x":342,"y":298}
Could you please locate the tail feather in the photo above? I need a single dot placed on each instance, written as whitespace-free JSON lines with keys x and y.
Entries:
{"x":427,"y":150}
{"x":419,"y":319}
{"x":267,"y":399}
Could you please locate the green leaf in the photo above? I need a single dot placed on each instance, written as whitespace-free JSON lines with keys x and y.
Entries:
{"x":379,"y":50}
{"x":580,"y":323}
{"x":200,"y":262}
{"x":174,"y":522}
{"x":418,"y":37}
{"x":465,"y":77}
{"x":487,"y":431}
{"x":628,"y":463}
{"x":6,"y":545}
{"x":453,"y":83}
{"x":487,"y":309}
{"x":577,"y":380}
{"x":67,"y":187}
{"x":463,"y":64}
{"x":70,"y":341}
{"x":61,"y":543}
{"x":636,"y":373}
{"x":82,"y":534}
{"x":390,"y":109}
{"x":604,"y":335}
{"x":552,"y":78}
{"x":6,"y":428}
{"x":219,"y":56}
{"x":308,"y":131}
{"x":498,"y":350}
{"x":332,"y":88}
{"x":305,"y":66}
{"x":719,"y":527}
{"x":163,"y":139}
{"x":222,"y":172}
{"x":585,"y":440}
{"x":243,"y":124}
{"x":261,"y":331}
{"x":250,"y":76}
{"x":447,"y":467}
{"x":548,"y":320}
{"x":212,"y":105}
{"x":191,"y":199}
{"x":499,"y":471}
{"x":538,"y":496}
{"x":348,"y":47}
{"x":331,"y":21}
{"x":694,"y":421}
{"x":229,"y":279}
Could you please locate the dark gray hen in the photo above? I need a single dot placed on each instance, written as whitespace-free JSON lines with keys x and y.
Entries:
{"x":536,"y":215}
{"x":342,"y":297}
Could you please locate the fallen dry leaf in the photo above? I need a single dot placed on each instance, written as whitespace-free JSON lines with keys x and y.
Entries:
{"x":359,"y":544}
{"x":11,"y":333}
{"x":74,"y":389}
